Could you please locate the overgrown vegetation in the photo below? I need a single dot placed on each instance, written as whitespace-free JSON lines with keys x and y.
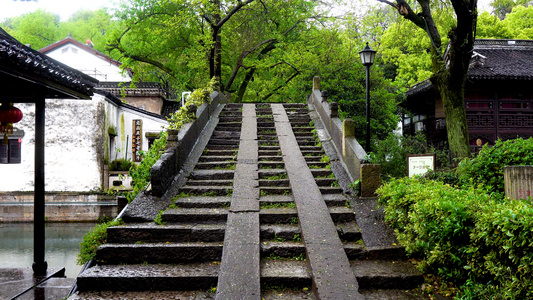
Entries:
{"x":141,"y":175}
{"x":461,"y":228}
{"x":92,"y":239}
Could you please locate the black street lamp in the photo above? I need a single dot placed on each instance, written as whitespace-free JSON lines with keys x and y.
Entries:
{"x":367,"y":58}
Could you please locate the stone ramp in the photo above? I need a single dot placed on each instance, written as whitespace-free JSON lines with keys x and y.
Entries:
{"x":262,"y":216}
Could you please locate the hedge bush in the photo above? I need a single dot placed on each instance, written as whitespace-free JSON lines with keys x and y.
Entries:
{"x":487,"y":167}
{"x":464,"y":235}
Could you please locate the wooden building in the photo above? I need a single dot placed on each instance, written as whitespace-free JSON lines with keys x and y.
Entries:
{"x":498,"y":96}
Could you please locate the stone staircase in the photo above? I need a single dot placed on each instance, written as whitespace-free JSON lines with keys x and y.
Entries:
{"x":262,"y":216}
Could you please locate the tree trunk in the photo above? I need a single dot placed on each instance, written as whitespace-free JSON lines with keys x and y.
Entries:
{"x":454,"y":110}
{"x":244,"y":85}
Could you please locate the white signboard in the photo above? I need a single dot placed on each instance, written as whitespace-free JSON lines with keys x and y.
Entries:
{"x":420,"y":164}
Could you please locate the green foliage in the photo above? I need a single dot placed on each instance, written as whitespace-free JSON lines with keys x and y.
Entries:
{"x":121,"y":164}
{"x":141,"y":175}
{"x":186,"y":113}
{"x":92,"y":239}
{"x":391,"y":153}
{"x":487,"y":167}
{"x":464,"y":235}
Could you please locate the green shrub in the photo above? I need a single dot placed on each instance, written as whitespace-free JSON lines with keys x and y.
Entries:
{"x":433,"y":220}
{"x":464,"y":235}
{"x":391,"y":153}
{"x":92,"y":239}
{"x":503,"y":242}
{"x":487,"y":167}
{"x":141,"y":175}
{"x":121,"y":164}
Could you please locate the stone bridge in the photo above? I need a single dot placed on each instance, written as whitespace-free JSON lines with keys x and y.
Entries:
{"x":253,"y":202}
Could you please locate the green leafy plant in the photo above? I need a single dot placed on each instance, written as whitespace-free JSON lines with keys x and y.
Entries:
{"x":487,"y":167}
{"x":465,"y":236}
{"x":93,"y":239}
{"x":121,"y":164}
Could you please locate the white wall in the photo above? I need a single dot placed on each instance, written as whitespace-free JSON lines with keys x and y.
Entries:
{"x":70,"y":148}
{"x":88,"y":63}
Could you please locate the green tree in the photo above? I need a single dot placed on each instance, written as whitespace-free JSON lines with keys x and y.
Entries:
{"x":86,"y":24}
{"x":448,"y":74}
{"x":186,"y":42}
{"x":503,"y":7}
{"x":38,"y":28}
{"x":519,"y":23}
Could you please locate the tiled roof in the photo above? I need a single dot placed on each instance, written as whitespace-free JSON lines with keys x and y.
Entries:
{"x":493,"y":60}
{"x":28,"y":63}
{"x":502,"y":59}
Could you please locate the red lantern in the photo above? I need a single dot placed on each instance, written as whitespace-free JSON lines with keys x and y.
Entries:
{"x":8,"y":115}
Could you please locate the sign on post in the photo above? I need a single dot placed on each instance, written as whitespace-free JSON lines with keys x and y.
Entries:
{"x":420,"y":164}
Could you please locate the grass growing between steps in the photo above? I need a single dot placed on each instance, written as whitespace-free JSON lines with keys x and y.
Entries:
{"x":277,"y":205}
{"x":300,"y":257}
{"x":92,"y":239}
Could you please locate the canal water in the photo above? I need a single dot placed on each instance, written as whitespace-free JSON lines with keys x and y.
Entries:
{"x":62,"y":245}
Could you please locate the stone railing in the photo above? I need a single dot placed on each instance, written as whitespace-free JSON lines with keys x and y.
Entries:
{"x":179,"y":145}
{"x":342,"y":134}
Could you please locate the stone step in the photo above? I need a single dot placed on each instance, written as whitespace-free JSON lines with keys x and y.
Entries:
{"x":228,"y":127}
{"x":265,"y":124}
{"x":160,"y":277}
{"x":274,"y":183}
{"x":306,"y":142}
{"x":330,"y":190}
{"x":219,"y":153}
{"x":275,"y":158}
{"x":208,"y":174}
{"x":265,"y":173}
{"x":269,"y":148}
{"x":325,"y":182}
{"x":318,"y":165}
{"x":154,"y":233}
{"x":211,"y":183}
{"x":321,"y":172}
{"x":285,"y":273}
{"x":275,"y":190}
{"x":195,"y":215}
{"x":271,"y":165}
{"x":212,"y":142}
{"x":221,"y":147}
{"x":158,"y":253}
{"x":228,"y":119}
{"x":280,"y":231}
{"x":216,"y":158}
{"x":348,"y":231}
{"x":207,"y":190}
{"x":278,"y":215}
{"x":222,"y":165}
{"x":386,"y":274}
{"x":269,"y":153}
{"x":285,"y":249}
{"x":230,"y":134}
{"x":335,"y":199}
{"x":202,"y":202}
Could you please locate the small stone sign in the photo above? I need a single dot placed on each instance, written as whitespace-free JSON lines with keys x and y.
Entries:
{"x":420,"y":164}
{"x":136,"y":141}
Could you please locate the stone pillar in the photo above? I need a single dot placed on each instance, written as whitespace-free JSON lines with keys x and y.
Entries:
{"x":333,"y":110}
{"x":370,"y":179}
{"x":348,"y":131}
{"x":316,"y":83}
{"x":172,"y":139}
{"x":106,"y":177}
{"x":518,"y":182}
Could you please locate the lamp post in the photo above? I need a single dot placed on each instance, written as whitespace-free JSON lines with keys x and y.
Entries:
{"x":367,"y":58}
